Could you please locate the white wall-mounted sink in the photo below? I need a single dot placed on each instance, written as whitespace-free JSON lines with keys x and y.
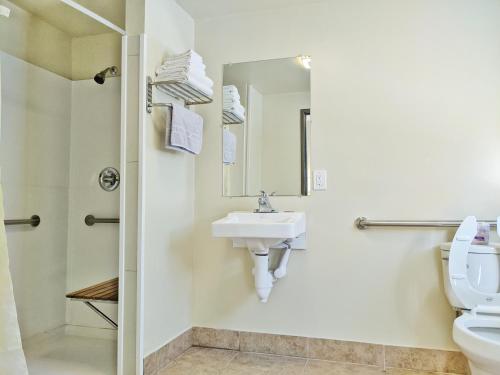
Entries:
{"x":260,"y":229}
{"x":259,"y":232}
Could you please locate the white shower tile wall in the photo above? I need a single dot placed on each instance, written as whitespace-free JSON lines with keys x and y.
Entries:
{"x":34,"y":154}
{"x":95,"y":144}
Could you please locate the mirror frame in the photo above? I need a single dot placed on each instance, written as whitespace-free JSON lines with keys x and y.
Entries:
{"x":305,"y":157}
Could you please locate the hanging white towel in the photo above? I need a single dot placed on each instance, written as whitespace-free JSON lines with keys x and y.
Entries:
{"x":229,"y":147}
{"x":184,"y":130}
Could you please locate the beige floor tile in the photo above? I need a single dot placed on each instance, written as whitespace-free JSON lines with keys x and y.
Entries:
{"x":200,"y":361}
{"x":317,"y":367}
{"x":260,"y":364}
{"x":346,"y":351}
{"x":398,"y":371}
{"x":216,"y":338}
{"x":273,"y":344}
{"x":426,"y":359}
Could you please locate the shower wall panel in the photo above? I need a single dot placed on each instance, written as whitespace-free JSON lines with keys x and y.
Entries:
{"x":95,"y":144}
{"x":34,"y":160}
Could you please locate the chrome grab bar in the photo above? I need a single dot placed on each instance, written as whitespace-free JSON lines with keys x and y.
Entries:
{"x":34,"y":221}
{"x":364,"y":223}
{"x":91,"y":220}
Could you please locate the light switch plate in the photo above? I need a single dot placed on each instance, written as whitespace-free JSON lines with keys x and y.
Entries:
{"x":320,"y":178}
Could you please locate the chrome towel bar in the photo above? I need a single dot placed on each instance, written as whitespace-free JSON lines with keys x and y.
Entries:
{"x":34,"y":221}
{"x":91,"y":220}
{"x":364,"y":223}
{"x":180,"y":90}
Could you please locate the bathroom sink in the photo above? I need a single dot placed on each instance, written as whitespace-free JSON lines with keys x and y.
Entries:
{"x":260,"y":230}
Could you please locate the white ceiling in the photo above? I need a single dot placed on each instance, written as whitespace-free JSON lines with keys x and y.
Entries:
{"x":202,"y":9}
{"x":269,"y":76}
{"x":72,"y":22}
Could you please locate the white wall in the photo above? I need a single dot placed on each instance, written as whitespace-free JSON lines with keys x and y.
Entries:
{"x":95,"y":144}
{"x":93,"y":53}
{"x":35,"y":41}
{"x":168,"y":191}
{"x":405,"y":118}
{"x":281,"y":142}
{"x":34,"y":157}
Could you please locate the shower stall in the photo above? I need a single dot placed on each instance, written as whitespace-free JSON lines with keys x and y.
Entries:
{"x":61,"y":156}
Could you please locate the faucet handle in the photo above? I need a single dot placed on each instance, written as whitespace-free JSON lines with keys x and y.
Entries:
{"x":263,"y":194}
{"x":272,"y":194}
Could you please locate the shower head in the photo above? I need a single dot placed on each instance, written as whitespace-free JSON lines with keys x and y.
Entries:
{"x":101,"y":76}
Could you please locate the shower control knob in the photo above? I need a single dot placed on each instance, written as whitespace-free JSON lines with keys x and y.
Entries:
{"x":109,"y":179}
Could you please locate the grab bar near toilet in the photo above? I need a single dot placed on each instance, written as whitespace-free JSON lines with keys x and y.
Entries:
{"x":364,"y":223}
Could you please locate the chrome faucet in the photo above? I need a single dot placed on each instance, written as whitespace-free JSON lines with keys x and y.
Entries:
{"x":264,"y":203}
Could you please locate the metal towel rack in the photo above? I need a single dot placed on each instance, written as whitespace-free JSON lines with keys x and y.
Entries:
{"x":364,"y":223}
{"x":229,"y":118}
{"x":179,"y":90}
{"x":34,"y":221}
{"x":91,"y":220}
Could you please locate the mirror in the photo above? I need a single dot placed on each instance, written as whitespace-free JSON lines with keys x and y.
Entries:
{"x":266,"y":127}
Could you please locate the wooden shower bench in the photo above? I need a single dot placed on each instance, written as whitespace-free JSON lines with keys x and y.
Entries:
{"x":106,"y":291}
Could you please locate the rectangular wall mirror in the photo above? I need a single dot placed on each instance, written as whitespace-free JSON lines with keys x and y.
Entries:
{"x":266,"y":127}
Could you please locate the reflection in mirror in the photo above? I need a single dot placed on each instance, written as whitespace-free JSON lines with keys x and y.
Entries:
{"x":266,"y":128}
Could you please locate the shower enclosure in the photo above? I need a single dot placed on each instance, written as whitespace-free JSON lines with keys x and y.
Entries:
{"x":61,"y":156}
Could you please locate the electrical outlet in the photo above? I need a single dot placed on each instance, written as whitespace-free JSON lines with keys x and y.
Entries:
{"x":320,"y":180}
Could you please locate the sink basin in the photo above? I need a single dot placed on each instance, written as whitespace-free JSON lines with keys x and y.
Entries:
{"x":264,"y":229}
{"x":259,"y":232}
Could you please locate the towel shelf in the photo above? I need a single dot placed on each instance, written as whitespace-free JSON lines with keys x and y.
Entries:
{"x":179,"y":90}
{"x":229,"y":118}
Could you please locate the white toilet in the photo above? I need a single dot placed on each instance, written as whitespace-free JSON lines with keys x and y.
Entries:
{"x":472,"y":284}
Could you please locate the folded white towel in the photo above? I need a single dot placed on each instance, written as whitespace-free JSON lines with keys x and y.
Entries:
{"x":234,"y":107}
{"x":230,"y":94}
{"x":188,"y":54}
{"x":231,"y":102}
{"x":182,"y":66}
{"x":230,"y":88}
{"x":202,"y":86}
{"x":184,"y":130}
{"x":185,"y":58}
{"x":234,"y":98}
{"x":202,"y":79}
{"x":229,"y":147}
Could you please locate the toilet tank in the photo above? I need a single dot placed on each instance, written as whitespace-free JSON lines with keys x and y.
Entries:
{"x":483,"y":270}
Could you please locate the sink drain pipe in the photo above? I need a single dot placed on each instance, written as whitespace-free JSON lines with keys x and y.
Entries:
{"x":264,"y":278}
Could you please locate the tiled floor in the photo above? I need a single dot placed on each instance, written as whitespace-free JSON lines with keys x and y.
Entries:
{"x":70,"y":355}
{"x":203,"y":361}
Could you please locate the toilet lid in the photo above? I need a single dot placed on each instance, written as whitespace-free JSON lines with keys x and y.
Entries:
{"x":470,"y":297}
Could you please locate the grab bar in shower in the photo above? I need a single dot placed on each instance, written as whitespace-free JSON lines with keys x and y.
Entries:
{"x":364,"y":223}
{"x":34,"y":221}
{"x":91,"y":220}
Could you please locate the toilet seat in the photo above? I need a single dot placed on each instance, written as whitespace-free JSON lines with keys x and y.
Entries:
{"x":479,"y":339}
{"x":476,"y":332}
{"x":471,"y":298}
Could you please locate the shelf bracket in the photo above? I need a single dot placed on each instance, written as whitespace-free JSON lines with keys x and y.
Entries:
{"x":101,"y":314}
